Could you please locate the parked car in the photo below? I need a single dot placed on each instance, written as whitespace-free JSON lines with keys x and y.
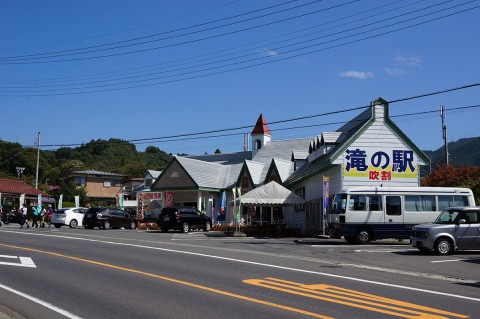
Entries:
{"x":455,"y":228}
{"x":70,"y":216}
{"x":107,"y":218}
{"x":184,"y":219}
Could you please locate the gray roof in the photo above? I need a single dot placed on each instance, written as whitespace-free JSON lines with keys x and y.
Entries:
{"x":154,"y":174}
{"x":225,"y":159}
{"x":300,"y":155}
{"x":331,"y":137}
{"x":281,"y":149}
{"x":205,"y":174}
{"x":256,"y":170}
{"x":93,"y":172}
{"x":285,"y":168}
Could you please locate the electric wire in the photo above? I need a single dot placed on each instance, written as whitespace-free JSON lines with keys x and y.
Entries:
{"x":32,"y":93}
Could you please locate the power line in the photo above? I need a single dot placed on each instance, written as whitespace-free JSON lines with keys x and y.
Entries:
{"x":97,"y":89}
{"x":88,"y":49}
{"x":127,"y":71}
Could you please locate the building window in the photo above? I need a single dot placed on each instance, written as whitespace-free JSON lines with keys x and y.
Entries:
{"x":245,"y":183}
{"x":300,"y":192}
{"x":258,"y":144}
{"x":80,"y":181}
{"x":107,"y":183}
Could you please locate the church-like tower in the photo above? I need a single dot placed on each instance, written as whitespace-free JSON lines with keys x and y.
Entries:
{"x":261,"y":135}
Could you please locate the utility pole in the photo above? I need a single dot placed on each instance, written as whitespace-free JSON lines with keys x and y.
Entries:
{"x":38,"y":160}
{"x":444,"y":130}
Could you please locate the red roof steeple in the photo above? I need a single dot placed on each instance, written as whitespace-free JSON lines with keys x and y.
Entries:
{"x":261,"y":127}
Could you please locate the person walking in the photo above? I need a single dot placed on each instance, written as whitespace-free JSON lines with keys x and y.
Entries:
{"x":36,"y":214}
{"x":48,"y":215}
{"x":1,"y":214}
{"x":23,"y":220}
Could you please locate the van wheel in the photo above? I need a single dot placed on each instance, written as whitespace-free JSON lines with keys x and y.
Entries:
{"x":106,"y":225}
{"x":363,"y":237}
{"x":443,"y":246}
{"x":185,"y":228}
{"x":73,"y":223}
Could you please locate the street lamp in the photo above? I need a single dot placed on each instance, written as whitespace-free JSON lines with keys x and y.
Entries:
{"x":20,"y":171}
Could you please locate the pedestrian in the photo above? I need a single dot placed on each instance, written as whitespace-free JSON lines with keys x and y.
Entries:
{"x":36,"y":215}
{"x":48,"y":215}
{"x":1,"y":214}
{"x":23,"y":216}
{"x":42,"y":216}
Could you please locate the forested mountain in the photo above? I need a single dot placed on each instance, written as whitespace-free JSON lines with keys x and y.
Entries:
{"x":114,"y":155}
{"x":464,"y":152}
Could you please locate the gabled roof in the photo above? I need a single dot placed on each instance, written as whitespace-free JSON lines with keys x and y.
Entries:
{"x":330,"y":137}
{"x":19,"y":187}
{"x":284,"y":168}
{"x":153,"y":173}
{"x":261,"y":127}
{"x":299,"y":155}
{"x":348,"y":133}
{"x":255,"y":170}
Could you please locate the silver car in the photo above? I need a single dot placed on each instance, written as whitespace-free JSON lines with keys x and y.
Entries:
{"x":455,"y":228}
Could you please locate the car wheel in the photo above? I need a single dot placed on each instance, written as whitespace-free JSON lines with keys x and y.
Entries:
{"x":363,"y":236}
{"x":133,"y":225}
{"x":58,"y":226}
{"x":106,"y":225}
{"x":185,"y":227}
{"x":73,"y":223}
{"x":443,"y":246}
{"x":207,"y":227}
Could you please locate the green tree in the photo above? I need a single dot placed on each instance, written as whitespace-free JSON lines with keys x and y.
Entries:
{"x":69,"y":191}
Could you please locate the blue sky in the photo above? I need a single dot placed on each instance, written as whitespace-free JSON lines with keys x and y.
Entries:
{"x":137,"y":70}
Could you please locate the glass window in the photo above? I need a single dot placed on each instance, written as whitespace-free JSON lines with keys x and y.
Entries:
{"x":460,"y":201}
{"x":80,"y":181}
{"x":393,"y":205}
{"x":428,"y":203}
{"x":358,"y":203}
{"x":413,"y":204}
{"x":374,"y":203}
{"x":339,"y":204}
{"x":300,"y":192}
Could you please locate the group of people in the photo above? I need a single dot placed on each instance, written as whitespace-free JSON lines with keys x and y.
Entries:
{"x":39,"y":214}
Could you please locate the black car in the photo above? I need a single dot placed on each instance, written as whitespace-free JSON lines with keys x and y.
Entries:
{"x":184,"y":219}
{"x":107,"y":218}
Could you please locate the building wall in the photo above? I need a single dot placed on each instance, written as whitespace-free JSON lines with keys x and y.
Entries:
{"x":95,"y":187}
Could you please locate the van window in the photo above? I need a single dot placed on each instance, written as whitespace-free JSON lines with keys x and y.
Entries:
{"x":413,"y":203}
{"x":339,"y":204}
{"x":374,"y":203}
{"x":428,"y":203}
{"x":358,"y":203}
{"x":393,"y":205}
{"x":445,"y":201}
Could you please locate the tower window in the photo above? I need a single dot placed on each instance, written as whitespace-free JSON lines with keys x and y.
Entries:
{"x":258,"y":144}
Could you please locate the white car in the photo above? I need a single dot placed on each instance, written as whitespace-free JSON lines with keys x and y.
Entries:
{"x":70,"y":216}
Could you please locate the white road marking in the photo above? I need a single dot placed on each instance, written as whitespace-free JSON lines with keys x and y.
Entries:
{"x":24,"y":261}
{"x":260,"y":264}
{"x":41,"y":302}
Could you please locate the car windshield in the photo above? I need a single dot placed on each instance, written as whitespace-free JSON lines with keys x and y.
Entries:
{"x":448,"y":217}
{"x":339,"y":204}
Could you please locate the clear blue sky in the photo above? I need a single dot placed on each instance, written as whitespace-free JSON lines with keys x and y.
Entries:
{"x":134,"y":70}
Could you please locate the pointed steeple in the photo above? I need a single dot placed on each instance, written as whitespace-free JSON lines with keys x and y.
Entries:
{"x":261,"y":135}
{"x":261,"y":127}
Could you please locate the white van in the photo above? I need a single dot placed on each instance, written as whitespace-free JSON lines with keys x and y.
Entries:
{"x":362,"y":214}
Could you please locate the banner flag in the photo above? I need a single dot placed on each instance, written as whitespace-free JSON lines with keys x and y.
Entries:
{"x":60,"y":202}
{"x":239,"y":212}
{"x":223,"y":203}
{"x":77,"y":201}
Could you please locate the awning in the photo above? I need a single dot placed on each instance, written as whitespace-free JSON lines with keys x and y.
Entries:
{"x":270,"y":194}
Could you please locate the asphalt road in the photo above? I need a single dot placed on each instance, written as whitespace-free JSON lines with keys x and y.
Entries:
{"x":78,"y":273}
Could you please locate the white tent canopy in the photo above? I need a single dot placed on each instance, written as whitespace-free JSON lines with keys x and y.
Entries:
{"x":270,"y":194}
